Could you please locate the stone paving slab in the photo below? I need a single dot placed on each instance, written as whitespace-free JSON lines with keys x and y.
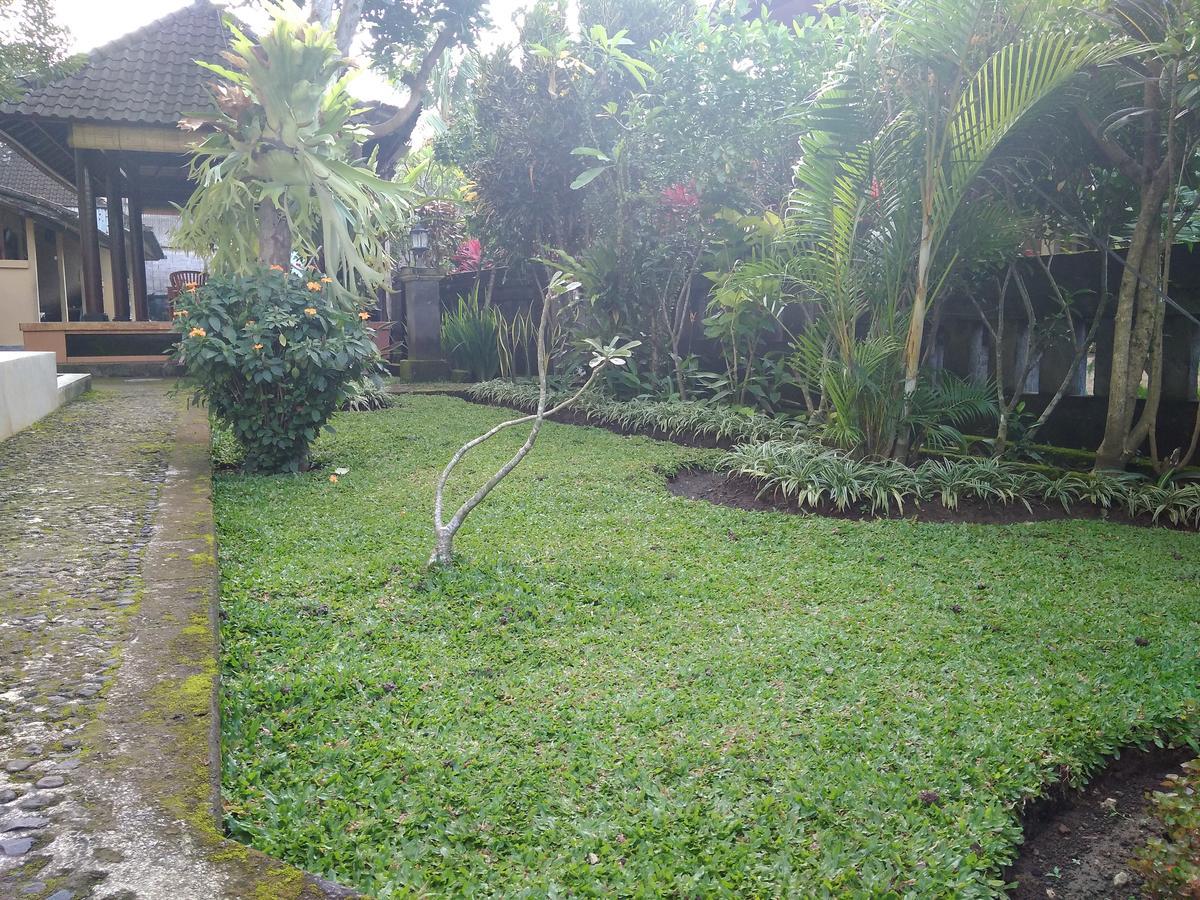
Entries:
{"x":109,"y":736}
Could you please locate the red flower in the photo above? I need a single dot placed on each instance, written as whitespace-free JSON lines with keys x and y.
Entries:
{"x":469,"y":256}
{"x":876,"y":189}
{"x":681,"y":198}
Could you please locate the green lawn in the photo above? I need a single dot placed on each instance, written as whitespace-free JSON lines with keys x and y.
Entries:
{"x":623,"y":692}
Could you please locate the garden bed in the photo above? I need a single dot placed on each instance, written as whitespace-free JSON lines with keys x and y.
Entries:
{"x":1079,"y":843}
{"x":744,"y":492}
{"x":619,"y":691}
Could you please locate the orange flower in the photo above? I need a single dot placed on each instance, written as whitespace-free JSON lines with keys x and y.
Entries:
{"x":190,"y":287}
{"x":276,"y":268}
{"x":310,"y":310}
{"x":364,"y":316}
{"x":258,"y":346}
{"x":197,"y":332}
{"x":314,"y":285}
{"x":333,"y":479}
{"x":326,"y":280}
{"x":181,"y":313}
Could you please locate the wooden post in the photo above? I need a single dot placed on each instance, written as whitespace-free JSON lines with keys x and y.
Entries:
{"x":116,"y":245}
{"x":141,"y":309}
{"x":60,"y":256}
{"x":89,"y":242}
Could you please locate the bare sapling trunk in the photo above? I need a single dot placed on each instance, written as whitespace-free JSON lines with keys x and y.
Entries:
{"x":676,"y":317}
{"x":446,"y":529}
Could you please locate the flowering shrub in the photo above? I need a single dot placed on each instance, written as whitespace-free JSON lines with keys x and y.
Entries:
{"x":681,"y":199}
{"x":272,"y":353}
{"x":469,"y":256}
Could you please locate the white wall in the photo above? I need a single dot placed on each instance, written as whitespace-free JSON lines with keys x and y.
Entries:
{"x":28,"y":389}
{"x":18,"y":292}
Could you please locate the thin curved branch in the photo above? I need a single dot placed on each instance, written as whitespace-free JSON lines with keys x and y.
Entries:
{"x":470,"y":445}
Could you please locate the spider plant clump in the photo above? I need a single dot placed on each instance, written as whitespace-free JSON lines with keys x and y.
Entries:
{"x":675,"y":418}
{"x":818,"y":476}
{"x":470,"y":337}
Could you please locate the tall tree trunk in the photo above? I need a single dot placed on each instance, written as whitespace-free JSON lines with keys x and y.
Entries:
{"x":347,"y":24}
{"x":1142,"y":267}
{"x":916,"y":322}
{"x":274,"y":236}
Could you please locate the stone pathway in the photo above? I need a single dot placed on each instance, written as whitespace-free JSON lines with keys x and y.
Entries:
{"x":108,"y":662}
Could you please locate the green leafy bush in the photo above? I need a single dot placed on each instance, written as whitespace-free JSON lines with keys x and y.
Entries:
{"x":470,"y":337}
{"x":814,"y":475}
{"x":1171,"y":863}
{"x":271,"y":354}
{"x":673,"y":417}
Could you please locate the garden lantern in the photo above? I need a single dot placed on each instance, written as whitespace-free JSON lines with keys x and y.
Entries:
{"x":418,"y":238}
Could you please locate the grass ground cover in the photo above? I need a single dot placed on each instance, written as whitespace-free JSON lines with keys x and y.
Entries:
{"x":619,"y":691}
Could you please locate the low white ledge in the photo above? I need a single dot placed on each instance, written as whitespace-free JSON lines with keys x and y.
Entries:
{"x":30,"y":388}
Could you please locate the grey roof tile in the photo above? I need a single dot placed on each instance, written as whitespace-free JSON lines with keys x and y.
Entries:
{"x":20,"y":175}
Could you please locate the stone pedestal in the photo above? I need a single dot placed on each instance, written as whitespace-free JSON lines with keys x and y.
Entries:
{"x":423,"y":326}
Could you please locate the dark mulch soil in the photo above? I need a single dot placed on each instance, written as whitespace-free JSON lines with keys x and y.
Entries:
{"x":1078,"y":844}
{"x":742,"y":492}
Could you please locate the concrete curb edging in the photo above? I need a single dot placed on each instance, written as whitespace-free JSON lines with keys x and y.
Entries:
{"x":160,"y":734}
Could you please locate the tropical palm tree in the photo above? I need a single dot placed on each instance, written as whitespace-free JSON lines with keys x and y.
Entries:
{"x":893,"y":196}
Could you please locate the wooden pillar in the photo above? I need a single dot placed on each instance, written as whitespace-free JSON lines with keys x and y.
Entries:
{"x":117,"y":248}
{"x":89,"y":242}
{"x":60,"y":255}
{"x":141,"y":310}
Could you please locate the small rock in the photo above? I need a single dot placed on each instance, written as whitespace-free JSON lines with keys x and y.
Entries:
{"x":929,"y":798}
{"x":70,"y":743}
{"x":1064,"y":828}
{"x":108,"y":856}
{"x":36,"y":801}
{"x":8,"y":795}
{"x":16,"y":846}
{"x":23,"y":823}
{"x":51,"y":781}
{"x":34,"y":887}
{"x":1121,"y":879}
{"x":1142,"y":642}
{"x":61,"y":895}
{"x":68,"y":765}
{"x":18,"y":765}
